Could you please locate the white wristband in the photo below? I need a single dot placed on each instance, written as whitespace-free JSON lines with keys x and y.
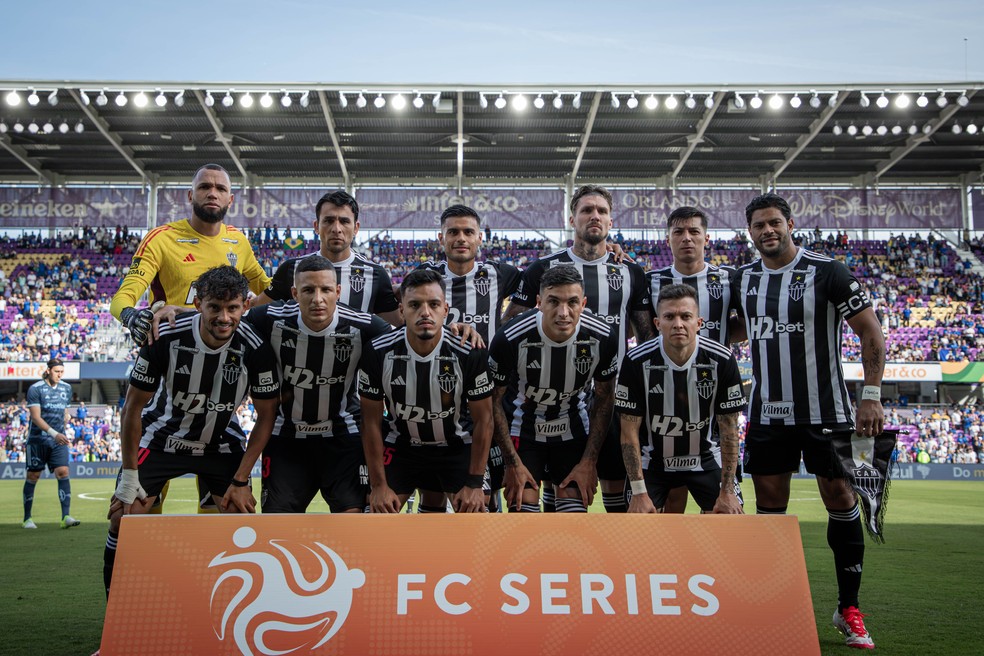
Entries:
{"x":128,"y":488}
{"x":638,"y":487}
{"x":51,"y":431}
{"x":871,"y":393}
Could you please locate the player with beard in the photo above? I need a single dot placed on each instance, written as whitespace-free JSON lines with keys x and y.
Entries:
{"x":170,"y":259}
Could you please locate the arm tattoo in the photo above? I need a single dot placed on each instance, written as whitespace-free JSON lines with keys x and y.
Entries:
{"x":500,"y":429}
{"x":633,"y":461}
{"x":728,"y":425}
{"x":642,"y":325}
{"x":600,"y":417}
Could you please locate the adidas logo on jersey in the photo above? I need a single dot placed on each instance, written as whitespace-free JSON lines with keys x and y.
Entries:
{"x":289,"y":344}
{"x":183,"y":369}
{"x":399,"y":381}
{"x":533,"y":365}
{"x":189,"y":258}
{"x":658,"y":389}
{"x":753,"y":291}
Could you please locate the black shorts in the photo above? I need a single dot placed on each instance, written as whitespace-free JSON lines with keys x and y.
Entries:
{"x":496,"y":469}
{"x":214,"y":471}
{"x":294,"y":470}
{"x":611,"y":466}
{"x":550,"y":461}
{"x":45,"y":452}
{"x":777,"y":449}
{"x":704,"y":486}
{"x":426,"y":467}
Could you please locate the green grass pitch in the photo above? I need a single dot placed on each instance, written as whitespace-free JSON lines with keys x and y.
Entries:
{"x":920,"y":593}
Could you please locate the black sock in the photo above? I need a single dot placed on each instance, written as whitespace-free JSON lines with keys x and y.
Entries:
{"x":109,"y":559}
{"x":764,"y":510}
{"x":65,"y":495}
{"x":570,"y":506}
{"x":845,"y":535}
{"x":28,"y":496}
{"x":548,"y":500}
{"x":425,"y":509}
{"x":614,"y":502}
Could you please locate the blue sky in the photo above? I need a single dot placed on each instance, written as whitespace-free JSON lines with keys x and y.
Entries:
{"x":589,"y":43}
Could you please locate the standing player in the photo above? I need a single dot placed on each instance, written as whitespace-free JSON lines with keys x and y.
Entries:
{"x":425,"y":378}
{"x":686,"y":229}
{"x":794,"y":303}
{"x":316,"y":445}
{"x":180,"y":411}
{"x":47,"y":444}
{"x":171,"y":257}
{"x":365,"y":285}
{"x":475,"y":292}
{"x":677,"y":384}
{"x":553,"y":354}
{"x":615,"y":292}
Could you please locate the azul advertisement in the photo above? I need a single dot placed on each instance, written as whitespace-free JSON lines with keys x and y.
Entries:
{"x":458,"y":585}
{"x":858,"y":209}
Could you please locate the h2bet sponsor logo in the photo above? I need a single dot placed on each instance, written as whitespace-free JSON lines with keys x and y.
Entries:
{"x":767,"y":328}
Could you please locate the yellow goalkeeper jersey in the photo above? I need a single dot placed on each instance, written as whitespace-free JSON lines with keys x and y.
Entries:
{"x":171,"y":257}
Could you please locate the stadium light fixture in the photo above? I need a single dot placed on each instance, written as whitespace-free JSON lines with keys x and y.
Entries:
{"x":18,"y":127}
{"x":690,"y":102}
{"x":928,"y":128}
{"x":755,"y":102}
{"x":852,"y":129}
{"x":632,"y":102}
{"x":246,"y":100}
{"x":48,"y":127}
{"x":776,"y":101}
{"x":483,"y":102}
{"x":739,"y":101}
{"x":305,"y":99}
{"x":902,"y":101}
{"x":379,"y":102}
{"x":815,"y":100}
{"x":971,"y":128}
{"x":227,"y":100}
{"x":53,"y":98}
{"x":671,"y":102}
{"x":418,"y":102}
{"x":896,"y":129}
{"x":539,"y":102}
{"x":832,"y":100}
{"x":837,"y":130}
{"x":913,"y":129}
{"x":399,"y":102}
{"x":708,"y":101}
{"x":101,"y":99}
{"x":33,"y":99}
{"x":85,"y":97}
{"x":795,"y":101}
{"x":13,"y":99}
{"x":941,"y":101}
{"x":558,"y":101}
{"x":962,"y":99}
{"x":361,"y":101}
{"x":287,"y":101}
{"x":882,"y":101}
{"x":64,"y":127}
{"x":160,"y":100}
{"x":140,"y":100}
{"x":79,"y":127}
{"x":864,"y":102}
{"x":956,"y":129}
{"x":3,"y":128}
{"x":266,"y":100}
{"x":615,"y":101}
{"x":500,"y":102}
{"x":32,"y":127}
{"x":867,"y":130}
{"x":121,"y":100}
{"x":179,"y":99}
{"x":519,"y":102}
{"x":577,"y":100}
{"x":436,"y":101}
{"x":882,"y":130}
{"x":209,"y":99}
{"x":922,"y":100}
{"x":652,"y":102}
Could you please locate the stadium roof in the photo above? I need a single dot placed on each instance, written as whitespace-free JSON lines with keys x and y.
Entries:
{"x":459,"y":137}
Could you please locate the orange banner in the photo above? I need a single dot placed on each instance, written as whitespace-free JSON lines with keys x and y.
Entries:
{"x":459,"y":584}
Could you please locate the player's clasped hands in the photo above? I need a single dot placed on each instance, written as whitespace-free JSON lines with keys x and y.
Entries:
{"x":238,"y":500}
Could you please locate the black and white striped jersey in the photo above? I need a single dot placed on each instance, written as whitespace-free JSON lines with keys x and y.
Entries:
{"x":319,"y":370}
{"x":678,"y":404}
{"x":614,"y":290}
{"x":425,"y":396}
{"x":476,"y":298}
{"x":366,"y":286}
{"x":198,"y":389}
{"x":794,"y":317}
{"x":713,"y":287}
{"x":552,"y":378}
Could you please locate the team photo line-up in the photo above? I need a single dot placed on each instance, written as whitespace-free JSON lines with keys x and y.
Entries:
{"x":368,"y":394}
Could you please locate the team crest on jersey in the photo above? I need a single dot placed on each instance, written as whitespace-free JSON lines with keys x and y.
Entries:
{"x":343,"y":348}
{"x":446,"y":378}
{"x":615,"y":278}
{"x":705,"y":384}
{"x":714,"y":287}
{"x":357,"y":279}
{"x":583,"y":360}
{"x":797,"y":287}
{"x":232,"y":370}
{"x":482,"y":283}
{"x":233,"y":258}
